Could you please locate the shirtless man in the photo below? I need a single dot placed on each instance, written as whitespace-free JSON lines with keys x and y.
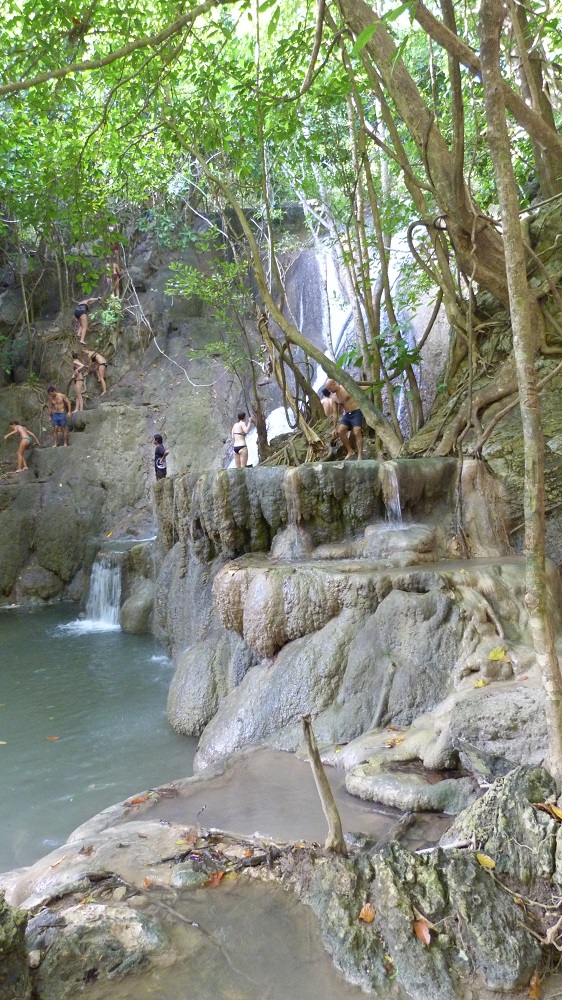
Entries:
{"x":26,"y":440}
{"x":59,"y":407}
{"x":239,"y":432}
{"x":98,"y":364}
{"x":330,"y":407}
{"x":351,"y":419}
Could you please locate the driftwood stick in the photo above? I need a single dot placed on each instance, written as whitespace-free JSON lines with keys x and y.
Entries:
{"x":335,"y":840}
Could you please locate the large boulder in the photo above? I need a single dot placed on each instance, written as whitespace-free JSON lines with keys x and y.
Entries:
{"x":205,"y":674}
{"x":268,"y":705}
{"x":95,"y":942}
{"x":505,"y":825}
{"x":136,"y":611}
{"x":15,"y":983}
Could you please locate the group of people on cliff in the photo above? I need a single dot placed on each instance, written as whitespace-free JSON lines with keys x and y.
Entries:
{"x":337,"y":403}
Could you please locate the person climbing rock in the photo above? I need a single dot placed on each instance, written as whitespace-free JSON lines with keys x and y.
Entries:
{"x":98,"y":364}
{"x":160,"y":454}
{"x":59,"y":407}
{"x":26,"y":440}
{"x":81,"y":315}
{"x":78,"y":370}
{"x":330,"y":406}
{"x":351,"y":419}
{"x":238,"y":433}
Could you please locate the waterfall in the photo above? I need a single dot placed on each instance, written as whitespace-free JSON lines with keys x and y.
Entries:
{"x":104,"y":598}
{"x":391,"y":493}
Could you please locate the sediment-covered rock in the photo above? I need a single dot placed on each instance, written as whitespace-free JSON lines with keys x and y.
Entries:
{"x":15,"y":982}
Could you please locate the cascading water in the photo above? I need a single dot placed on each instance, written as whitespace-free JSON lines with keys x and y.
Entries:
{"x":104,"y":598}
{"x":391,"y":493}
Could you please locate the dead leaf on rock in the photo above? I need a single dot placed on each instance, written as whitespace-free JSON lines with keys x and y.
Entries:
{"x":535,"y":986}
{"x":137,"y":800}
{"x":550,"y":809}
{"x":422,"y":931}
{"x":58,"y":861}
{"x":499,"y":653}
{"x":367,"y":913}
{"x":147,"y":883}
{"x":214,"y":880}
{"x":485,"y":861}
{"x":395,"y":741}
{"x":86,"y":850}
{"x":481,"y":683}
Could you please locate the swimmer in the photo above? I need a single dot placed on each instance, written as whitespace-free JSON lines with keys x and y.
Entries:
{"x":59,"y":407}
{"x":98,"y":364}
{"x":26,"y":440}
{"x":238,"y":434}
{"x":351,"y":420}
{"x":81,"y":315}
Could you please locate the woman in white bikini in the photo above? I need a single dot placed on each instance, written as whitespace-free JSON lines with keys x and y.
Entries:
{"x":238,"y":433}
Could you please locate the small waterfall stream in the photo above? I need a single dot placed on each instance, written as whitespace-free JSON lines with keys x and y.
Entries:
{"x":391,"y":493}
{"x":104,"y":598}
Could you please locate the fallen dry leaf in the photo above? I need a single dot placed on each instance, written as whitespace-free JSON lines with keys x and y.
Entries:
{"x":86,"y":850}
{"x":248,"y":853}
{"x":58,"y":861}
{"x":499,"y":653}
{"x":535,"y":986}
{"x":395,"y":741}
{"x":422,"y":931}
{"x":53,"y":738}
{"x":522,"y":677}
{"x":214,"y":880}
{"x":481,"y":683}
{"x":137,"y":800}
{"x":550,"y":809}
{"x":3,"y":743}
{"x":367,"y":913}
{"x":147,"y":883}
{"x":485,"y":861}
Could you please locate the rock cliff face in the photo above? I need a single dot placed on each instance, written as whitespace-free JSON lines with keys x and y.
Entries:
{"x":286,"y":592}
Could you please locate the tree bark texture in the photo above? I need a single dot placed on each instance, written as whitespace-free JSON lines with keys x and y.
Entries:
{"x":477,"y":244}
{"x":524,"y":348}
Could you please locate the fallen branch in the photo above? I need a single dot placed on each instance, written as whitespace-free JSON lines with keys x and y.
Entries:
{"x":335,"y":840}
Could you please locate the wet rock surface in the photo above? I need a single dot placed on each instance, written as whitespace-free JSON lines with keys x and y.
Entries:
{"x":15,"y":981}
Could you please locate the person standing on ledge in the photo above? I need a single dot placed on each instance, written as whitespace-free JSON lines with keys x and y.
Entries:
{"x":78,"y":370}
{"x":81,"y":314}
{"x":159,"y":457}
{"x":351,"y":419}
{"x":330,"y":407}
{"x":26,"y":440}
{"x":59,"y":407}
{"x":239,"y":431}
{"x":98,"y":364}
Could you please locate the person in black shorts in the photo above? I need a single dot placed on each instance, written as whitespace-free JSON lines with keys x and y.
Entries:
{"x":159,"y":457}
{"x":81,"y":314}
{"x":351,"y":419}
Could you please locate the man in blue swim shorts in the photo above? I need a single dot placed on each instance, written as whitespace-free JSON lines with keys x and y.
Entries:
{"x":59,"y":407}
{"x":350,"y":420}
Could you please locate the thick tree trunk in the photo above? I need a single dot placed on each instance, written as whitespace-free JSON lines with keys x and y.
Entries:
{"x":477,"y":244}
{"x":524,"y":347}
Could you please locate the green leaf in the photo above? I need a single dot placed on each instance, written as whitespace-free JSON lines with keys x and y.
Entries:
{"x":363,"y":38}
{"x":393,"y":15}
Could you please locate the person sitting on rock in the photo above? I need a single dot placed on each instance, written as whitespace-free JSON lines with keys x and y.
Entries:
{"x":81,"y":314}
{"x":98,"y":364}
{"x":330,"y":407}
{"x":239,"y":431}
{"x":26,"y":440}
{"x":78,"y":370}
{"x":59,"y":407}
{"x":351,"y":420}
